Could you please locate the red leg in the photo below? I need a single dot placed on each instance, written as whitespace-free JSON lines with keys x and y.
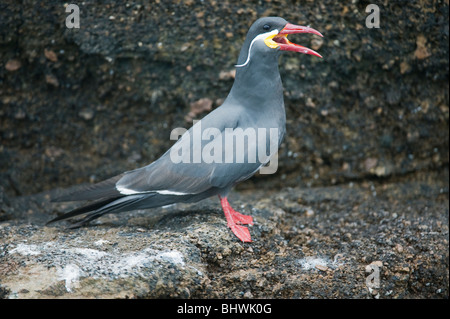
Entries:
{"x":233,"y":218}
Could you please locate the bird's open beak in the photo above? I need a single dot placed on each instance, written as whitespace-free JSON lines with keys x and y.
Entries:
{"x":280,"y":40}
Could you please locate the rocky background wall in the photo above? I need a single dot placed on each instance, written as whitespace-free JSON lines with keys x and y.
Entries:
{"x":366,"y":146}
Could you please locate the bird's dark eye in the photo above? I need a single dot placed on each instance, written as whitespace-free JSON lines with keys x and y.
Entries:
{"x":266,"y":27}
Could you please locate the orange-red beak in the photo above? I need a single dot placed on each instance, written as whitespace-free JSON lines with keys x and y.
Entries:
{"x":285,"y":45}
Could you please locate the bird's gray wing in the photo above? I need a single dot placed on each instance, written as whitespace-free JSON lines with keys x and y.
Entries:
{"x":167,"y":176}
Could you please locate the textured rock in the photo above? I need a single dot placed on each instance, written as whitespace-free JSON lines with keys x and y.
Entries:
{"x":57,"y":264}
{"x":398,"y":230}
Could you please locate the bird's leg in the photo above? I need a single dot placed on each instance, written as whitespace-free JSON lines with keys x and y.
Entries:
{"x":234,"y":218}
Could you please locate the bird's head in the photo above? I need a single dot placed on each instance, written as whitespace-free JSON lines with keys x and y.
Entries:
{"x":269,"y":35}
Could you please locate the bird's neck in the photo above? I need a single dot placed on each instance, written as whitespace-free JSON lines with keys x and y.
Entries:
{"x":259,"y":82}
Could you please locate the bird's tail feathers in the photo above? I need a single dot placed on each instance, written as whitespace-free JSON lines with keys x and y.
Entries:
{"x":97,"y":209}
{"x":104,"y":189}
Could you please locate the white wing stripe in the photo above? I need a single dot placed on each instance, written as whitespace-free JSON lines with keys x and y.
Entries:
{"x":166,"y":192}
{"x":127,"y":191}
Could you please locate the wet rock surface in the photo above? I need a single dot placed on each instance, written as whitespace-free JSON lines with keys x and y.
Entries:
{"x":362,"y":184}
{"x":323,"y":242}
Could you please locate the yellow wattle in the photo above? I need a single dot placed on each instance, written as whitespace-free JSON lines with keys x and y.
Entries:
{"x":270,"y":43}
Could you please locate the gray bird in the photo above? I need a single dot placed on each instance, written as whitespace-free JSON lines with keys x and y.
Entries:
{"x":201,"y":163}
